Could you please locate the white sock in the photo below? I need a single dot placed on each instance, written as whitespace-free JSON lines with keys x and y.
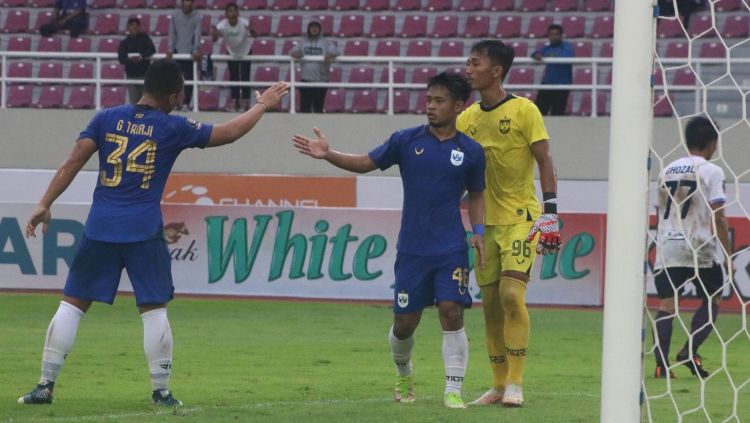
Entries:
{"x":401,"y":353}
{"x":61,"y":334}
{"x":455,"y":356}
{"x":157,"y":344}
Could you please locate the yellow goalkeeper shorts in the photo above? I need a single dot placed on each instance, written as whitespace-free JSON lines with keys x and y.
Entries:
{"x":506,"y":248}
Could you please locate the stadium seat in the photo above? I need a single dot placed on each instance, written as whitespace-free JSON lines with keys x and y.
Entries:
{"x":162,"y":24}
{"x":314,"y":4}
{"x":206,"y":24}
{"x":585,"y":106}
{"x":51,"y":97}
{"x":564,"y":5}
{"x":438,"y":5}
{"x":208,"y":99}
{"x":50,"y":70}
{"x":533,"y":5}
{"x":736,"y":27}
{"x":79,"y":45}
{"x":604,"y":27}
{"x":107,"y":24}
{"x":451,"y":49}
{"x":420,"y":104}
{"x":50,"y":44}
{"x":375,"y":5}
{"x":200,"y":4}
{"x":334,"y":74}
{"x":284,"y":5}
{"x":288,"y":46}
{"x":113,"y":71}
{"x":508,"y":27}
{"x":289,"y":26}
{"x":469,"y":6}
{"x":267,"y":74}
{"x":574,"y":26}
{"x":264,"y":47}
{"x":133,"y":4}
{"x":662,"y":106}
{"x":583,"y":49}
{"x":19,"y":70}
{"x":727,"y":5}
{"x":255,"y":5}
{"x":364,"y":101}
{"x":261,"y":24}
{"x":356,"y":48}
{"x":222,"y":4}
{"x":520,"y":76}
{"x":145,"y":19}
{"x":81,"y":71}
{"x":326,"y":22}
{"x":16,"y":21}
{"x":42,"y":18}
{"x":163,"y":45}
{"x":500,"y":5}
{"x":477,"y":27}
{"x":335,"y":101}
{"x":81,"y":97}
{"x":400,"y":102}
{"x":521,"y":48}
{"x":399,"y":76}
{"x":531,"y":95}
{"x":538,"y":26}
{"x":382,"y":26}
{"x":713,"y":50}
{"x":422,"y":74}
{"x":445,"y":27}
{"x":607,"y":49}
{"x":456,"y":70}
{"x":351,"y":26}
{"x":388,"y":48}
{"x":207,"y":46}
{"x":402,"y":5}
{"x":19,"y":44}
{"x":658,"y":78}
{"x":582,"y":76}
{"x":414,"y":26}
{"x":112,"y":96}
{"x":106,"y":4}
{"x":19,"y":96}
{"x":419,"y":48}
{"x":597,"y":5}
{"x":700,"y":24}
{"x":362,"y":74}
{"x":108,"y":45}
{"x":669,"y":28}
{"x":684,"y":77}
{"x":14,"y":3}
{"x":345,"y":5}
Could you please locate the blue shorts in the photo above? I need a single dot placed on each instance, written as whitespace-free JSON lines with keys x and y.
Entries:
{"x":97,"y":268}
{"x":423,"y":281}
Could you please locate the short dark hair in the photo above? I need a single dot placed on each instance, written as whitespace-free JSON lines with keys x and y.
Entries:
{"x":163,"y":78}
{"x":230,"y":5}
{"x":555,"y":26}
{"x":134,"y":20}
{"x":498,"y":52}
{"x":454,"y":83}
{"x":700,"y":131}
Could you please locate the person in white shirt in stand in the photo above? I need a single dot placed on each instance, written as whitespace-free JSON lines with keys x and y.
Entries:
{"x":236,"y":32}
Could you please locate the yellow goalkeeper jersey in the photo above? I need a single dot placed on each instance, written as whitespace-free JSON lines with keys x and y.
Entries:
{"x":506,"y":133}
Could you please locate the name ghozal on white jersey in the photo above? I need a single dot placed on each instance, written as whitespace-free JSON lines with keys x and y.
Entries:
{"x":686,"y":190}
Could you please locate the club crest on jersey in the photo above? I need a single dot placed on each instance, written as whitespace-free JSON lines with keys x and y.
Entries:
{"x":504,"y":126}
{"x":403,"y":299}
{"x":457,"y":157}
{"x":194,"y":123}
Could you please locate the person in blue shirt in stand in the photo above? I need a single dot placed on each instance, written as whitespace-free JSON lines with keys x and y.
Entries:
{"x":438,"y":164}
{"x":137,"y":146}
{"x":554,"y":101}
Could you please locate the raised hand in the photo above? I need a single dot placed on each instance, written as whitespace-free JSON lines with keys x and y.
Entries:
{"x":317,"y":148}
{"x":273,"y":95}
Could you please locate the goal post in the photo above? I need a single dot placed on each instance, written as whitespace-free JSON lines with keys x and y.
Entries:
{"x":627,"y":210}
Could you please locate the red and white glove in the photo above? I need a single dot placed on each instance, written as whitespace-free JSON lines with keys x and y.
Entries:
{"x":548,"y":228}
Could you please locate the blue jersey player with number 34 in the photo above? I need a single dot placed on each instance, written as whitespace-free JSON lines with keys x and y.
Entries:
{"x":137,"y":146}
{"x":438,"y":165}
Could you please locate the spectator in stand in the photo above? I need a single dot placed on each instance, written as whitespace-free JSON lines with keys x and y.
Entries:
{"x":554,"y":101}
{"x":70,"y":15}
{"x":314,"y":44}
{"x":185,"y":38}
{"x":685,"y":8}
{"x":236,"y":33}
{"x":135,"y":52}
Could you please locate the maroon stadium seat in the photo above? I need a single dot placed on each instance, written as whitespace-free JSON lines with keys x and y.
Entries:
{"x":50,"y":70}
{"x":289,"y":26}
{"x":419,"y":48}
{"x":583,"y":49}
{"x":162,"y":24}
{"x":585,"y":106}
{"x":351,"y":26}
{"x":400,"y":102}
{"x":700,"y":24}
{"x":288,"y":46}
{"x":222,"y":4}
{"x":19,"y":43}
{"x":684,"y":77}
{"x":597,"y":5}
{"x":399,"y":76}
{"x":314,"y":4}
{"x":401,"y":5}
{"x":42,"y":18}
{"x":669,"y":28}
{"x":388,"y":48}
{"x":414,"y":26}
{"x":420,"y":103}
{"x":520,"y":75}
{"x":133,"y":4}
{"x":163,"y":45}
{"x":81,"y":71}
{"x":604,"y":27}
{"x":14,"y":3}
{"x":574,"y":26}
{"x":607,"y":49}
{"x":736,"y":27}
{"x":19,"y":70}
{"x":564,"y":5}
{"x":727,"y":5}
{"x":662,"y":107}
{"x":376,"y":4}
{"x":261,"y":24}
{"x":451,"y":49}
{"x":345,"y":4}
{"x":422,"y":74}
{"x":500,"y":5}
{"x":51,"y":97}
{"x":106,"y":4}
{"x":533,"y":5}
{"x":108,"y":45}
{"x":326,"y":23}
{"x":362,"y":74}
{"x":255,"y":5}
{"x":16,"y":21}
{"x":206,"y":24}
{"x":264,"y":47}
{"x":81,"y":97}
{"x":284,"y":5}
{"x":713,"y":50}
{"x":19,"y":96}
{"x":383,"y":26}
{"x":112,"y":71}
{"x":356,"y":48}
{"x":112,"y":96}
{"x":438,"y":5}
{"x":208,"y":99}
{"x":538,"y":26}
{"x":79,"y":45}
{"x":335,"y":101}
{"x":207,"y":46}
{"x":508,"y":27}
{"x":521,"y":48}
{"x":364,"y":101}
{"x":50,"y":44}
{"x":469,"y":6}
{"x":477,"y":27}
{"x":107,"y":24}
{"x":267,"y":74}
{"x":582,"y":76}
{"x":334,"y":74}
{"x":445,"y":27}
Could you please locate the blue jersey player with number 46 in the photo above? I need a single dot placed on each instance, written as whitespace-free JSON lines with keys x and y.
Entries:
{"x":137,"y":146}
{"x":438,"y":165}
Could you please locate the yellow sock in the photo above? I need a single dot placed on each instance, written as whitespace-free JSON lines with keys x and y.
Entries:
{"x":517,"y":325}
{"x":493,"y":326}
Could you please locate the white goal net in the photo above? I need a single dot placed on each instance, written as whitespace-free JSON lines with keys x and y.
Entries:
{"x":701,"y":68}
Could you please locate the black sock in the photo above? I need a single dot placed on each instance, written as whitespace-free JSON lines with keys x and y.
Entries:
{"x":700,"y":318}
{"x":663,"y":325}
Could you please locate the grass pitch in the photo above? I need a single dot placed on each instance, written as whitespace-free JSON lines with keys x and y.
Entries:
{"x":281,"y":361}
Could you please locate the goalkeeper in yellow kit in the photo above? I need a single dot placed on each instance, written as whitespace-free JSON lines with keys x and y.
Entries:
{"x":512,"y":133}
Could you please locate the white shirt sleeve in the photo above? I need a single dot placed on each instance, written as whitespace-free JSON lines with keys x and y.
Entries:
{"x":222,"y":25}
{"x":715,"y":178}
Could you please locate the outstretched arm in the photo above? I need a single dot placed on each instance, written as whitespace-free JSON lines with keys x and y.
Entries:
{"x":319,"y":149}
{"x":65,"y":174}
{"x":233,"y":130}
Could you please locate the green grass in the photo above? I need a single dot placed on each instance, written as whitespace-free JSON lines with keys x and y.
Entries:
{"x":312,"y":362}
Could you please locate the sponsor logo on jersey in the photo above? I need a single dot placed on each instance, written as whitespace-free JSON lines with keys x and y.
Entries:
{"x":194,"y":123}
{"x":457,"y":157}
{"x":504,"y":126}
{"x":403,"y":299}
{"x":418,"y":151}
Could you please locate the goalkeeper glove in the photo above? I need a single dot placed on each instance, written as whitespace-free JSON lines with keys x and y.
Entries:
{"x":548,"y":228}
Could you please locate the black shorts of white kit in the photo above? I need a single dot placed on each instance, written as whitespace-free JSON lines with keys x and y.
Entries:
{"x":669,"y":279}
